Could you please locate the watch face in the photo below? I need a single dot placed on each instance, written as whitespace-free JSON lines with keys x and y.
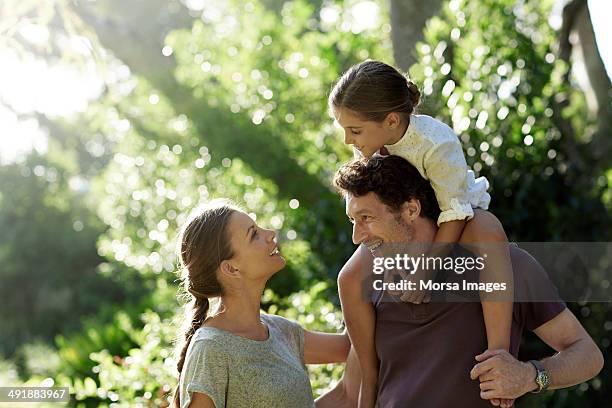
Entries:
{"x":543,"y":380}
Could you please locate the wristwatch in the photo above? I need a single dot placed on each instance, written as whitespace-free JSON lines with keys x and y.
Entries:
{"x":542,"y":378}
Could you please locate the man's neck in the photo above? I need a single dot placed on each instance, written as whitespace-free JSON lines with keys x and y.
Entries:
{"x":424,"y":230}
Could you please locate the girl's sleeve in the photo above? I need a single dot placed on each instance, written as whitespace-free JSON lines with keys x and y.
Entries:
{"x":206,"y":371}
{"x":447,"y":171}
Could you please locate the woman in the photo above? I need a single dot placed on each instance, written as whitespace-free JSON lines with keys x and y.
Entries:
{"x":237,"y":357}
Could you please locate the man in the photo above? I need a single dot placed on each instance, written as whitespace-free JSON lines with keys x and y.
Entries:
{"x":431,"y":355}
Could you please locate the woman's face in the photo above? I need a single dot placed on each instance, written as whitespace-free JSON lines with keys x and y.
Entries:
{"x":256,"y":253}
{"x":365,"y":135}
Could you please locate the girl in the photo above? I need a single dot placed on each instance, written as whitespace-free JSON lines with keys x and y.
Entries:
{"x":238,"y":357}
{"x":374,"y":104}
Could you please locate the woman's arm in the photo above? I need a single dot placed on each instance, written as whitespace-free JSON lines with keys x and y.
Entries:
{"x":199,"y":400}
{"x":324,"y":348}
{"x":360,"y":321}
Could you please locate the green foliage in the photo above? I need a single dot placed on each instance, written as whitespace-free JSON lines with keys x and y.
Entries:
{"x":140,"y":374}
{"x":48,"y":255}
{"x":522,"y":124}
{"x":526,"y":128}
{"x":260,"y":135}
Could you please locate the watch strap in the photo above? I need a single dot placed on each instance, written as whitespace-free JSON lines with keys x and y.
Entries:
{"x":539,"y":369}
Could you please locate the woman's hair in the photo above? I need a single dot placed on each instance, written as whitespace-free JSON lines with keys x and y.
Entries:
{"x":203,"y":243}
{"x":374,"y":89}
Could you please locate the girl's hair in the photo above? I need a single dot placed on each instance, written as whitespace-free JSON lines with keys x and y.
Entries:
{"x":374,"y":89}
{"x":203,"y":243}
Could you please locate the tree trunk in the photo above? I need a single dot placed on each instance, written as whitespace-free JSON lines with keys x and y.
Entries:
{"x":598,"y":87}
{"x":596,"y":84}
{"x":408,"y":20}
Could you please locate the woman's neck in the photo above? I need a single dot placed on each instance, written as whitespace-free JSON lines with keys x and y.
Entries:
{"x":239,"y":313}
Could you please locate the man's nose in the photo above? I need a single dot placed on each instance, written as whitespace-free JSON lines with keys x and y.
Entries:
{"x":358,"y":234}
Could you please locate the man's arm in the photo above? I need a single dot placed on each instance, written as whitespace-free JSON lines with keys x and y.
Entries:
{"x":578,"y":359}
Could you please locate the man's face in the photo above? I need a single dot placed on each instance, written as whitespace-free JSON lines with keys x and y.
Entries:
{"x":374,"y":223}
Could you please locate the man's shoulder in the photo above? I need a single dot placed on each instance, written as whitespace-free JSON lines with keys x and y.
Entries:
{"x":522,"y":258}
{"x":537,"y":299}
{"x":529,"y":274}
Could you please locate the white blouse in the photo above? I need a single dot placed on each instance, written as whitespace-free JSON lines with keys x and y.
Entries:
{"x":433,"y":148}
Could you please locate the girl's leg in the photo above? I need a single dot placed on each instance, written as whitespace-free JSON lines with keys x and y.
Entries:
{"x":486,"y":236}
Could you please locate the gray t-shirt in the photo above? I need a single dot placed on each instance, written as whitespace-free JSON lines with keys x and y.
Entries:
{"x":237,"y":372}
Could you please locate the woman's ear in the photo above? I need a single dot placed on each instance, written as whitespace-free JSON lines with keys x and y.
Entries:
{"x":228,"y":270}
{"x":393,"y":120}
{"x":411,"y":210}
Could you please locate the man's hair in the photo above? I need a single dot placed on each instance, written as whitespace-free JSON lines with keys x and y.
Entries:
{"x":392,"y":178}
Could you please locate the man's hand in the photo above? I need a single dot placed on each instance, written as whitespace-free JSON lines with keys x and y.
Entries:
{"x":502,"y":377}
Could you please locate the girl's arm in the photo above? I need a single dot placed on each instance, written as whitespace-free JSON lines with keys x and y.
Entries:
{"x":324,"y":348}
{"x":360,"y":322}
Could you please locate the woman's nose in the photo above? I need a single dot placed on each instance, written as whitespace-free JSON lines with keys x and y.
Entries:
{"x":348,"y":139}
{"x":271,"y":235}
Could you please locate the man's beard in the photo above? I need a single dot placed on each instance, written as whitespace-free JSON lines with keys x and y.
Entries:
{"x":403,"y":229}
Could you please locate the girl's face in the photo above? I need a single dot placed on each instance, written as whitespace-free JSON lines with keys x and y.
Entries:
{"x":256,"y":253}
{"x":365,"y":135}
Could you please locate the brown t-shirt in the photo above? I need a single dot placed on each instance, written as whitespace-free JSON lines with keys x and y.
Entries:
{"x":426,"y":351}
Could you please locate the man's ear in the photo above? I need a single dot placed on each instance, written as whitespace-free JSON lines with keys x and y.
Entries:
{"x":411,"y":210}
{"x":228,"y":269}
{"x":393,"y":120}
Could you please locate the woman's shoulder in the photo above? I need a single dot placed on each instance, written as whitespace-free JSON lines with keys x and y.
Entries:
{"x":279,"y":321}
{"x":287,"y":331}
{"x":210,"y":339}
{"x":207,"y":347}
{"x":287,"y":327}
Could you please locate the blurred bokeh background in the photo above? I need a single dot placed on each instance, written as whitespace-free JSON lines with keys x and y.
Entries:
{"x":118,"y":117}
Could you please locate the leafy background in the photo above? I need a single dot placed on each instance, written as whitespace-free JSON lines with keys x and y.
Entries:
{"x":234,"y":105}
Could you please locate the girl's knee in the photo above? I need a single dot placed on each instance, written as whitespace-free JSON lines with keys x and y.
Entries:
{"x":485,"y":227}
